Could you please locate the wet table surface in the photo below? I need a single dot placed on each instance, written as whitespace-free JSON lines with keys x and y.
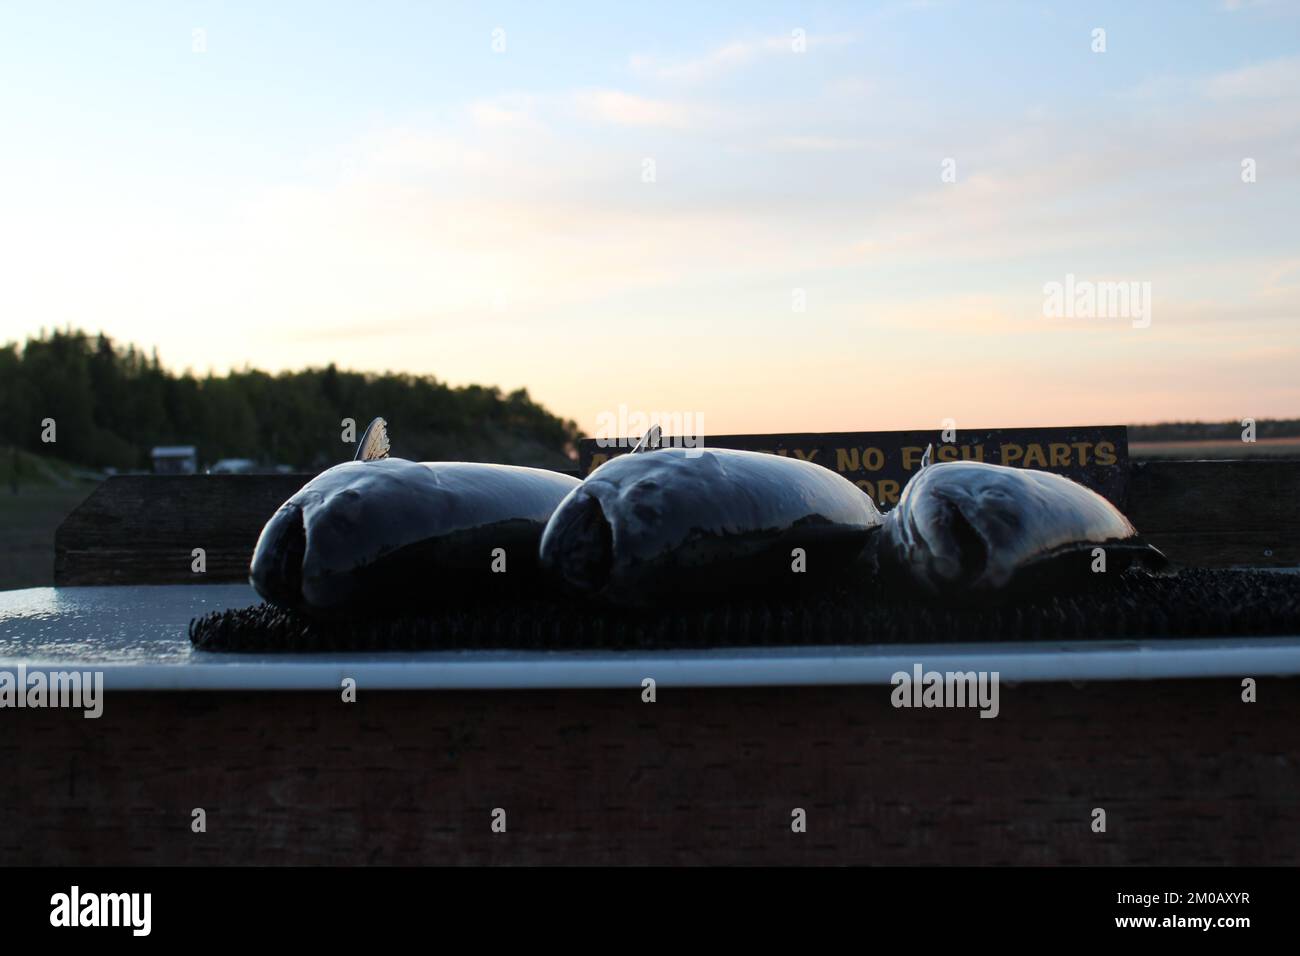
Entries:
{"x":138,"y":637}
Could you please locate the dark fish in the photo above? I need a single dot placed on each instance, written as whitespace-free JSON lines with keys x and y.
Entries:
{"x":971,"y":530}
{"x":383,"y":533}
{"x":655,"y":525}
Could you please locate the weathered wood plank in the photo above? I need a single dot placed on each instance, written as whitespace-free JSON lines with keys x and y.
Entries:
{"x":1186,"y":772}
{"x":1230,"y":549}
{"x":1219,"y":513}
{"x":1216,"y":496}
{"x":142,"y":529}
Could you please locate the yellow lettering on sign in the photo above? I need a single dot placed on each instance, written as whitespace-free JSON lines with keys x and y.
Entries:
{"x":972,"y":452}
{"x":847,"y":459}
{"x":596,"y":462}
{"x":1035,"y":457}
{"x":946,"y":453}
{"x":1059,"y":452}
{"x":1083,"y":447}
{"x":867,"y":486}
{"x":806,"y":457}
{"x":889,"y":490}
{"x":912,"y":457}
{"x":873,"y":459}
{"x":1106,"y":453}
{"x":1011,"y":453}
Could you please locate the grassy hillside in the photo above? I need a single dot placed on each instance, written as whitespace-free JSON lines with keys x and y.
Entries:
{"x":31,"y":508}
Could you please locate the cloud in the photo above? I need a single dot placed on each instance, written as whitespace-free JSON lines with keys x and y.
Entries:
{"x":1233,"y":6}
{"x":554,"y":113}
{"x":816,"y":144}
{"x":627,"y":109}
{"x":1271,"y":79}
{"x":509,"y":112}
{"x":731,"y":56}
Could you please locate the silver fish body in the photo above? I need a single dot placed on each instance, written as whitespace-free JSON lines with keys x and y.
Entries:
{"x":391,"y":533}
{"x":659,"y":525}
{"x":973,"y":530}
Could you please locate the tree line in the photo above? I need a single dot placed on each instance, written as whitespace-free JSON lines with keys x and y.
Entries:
{"x":112,"y":404}
{"x":1214,"y":431}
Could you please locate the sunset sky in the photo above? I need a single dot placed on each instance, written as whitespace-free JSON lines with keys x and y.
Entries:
{"x":461,"y":190}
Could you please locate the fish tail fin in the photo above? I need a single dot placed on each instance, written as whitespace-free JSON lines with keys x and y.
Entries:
{"x":374,"y":442}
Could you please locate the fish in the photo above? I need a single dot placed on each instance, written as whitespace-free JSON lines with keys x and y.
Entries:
{"x":380,"y":534}
{"x":971,"y":531}
{"x":660,"y":524}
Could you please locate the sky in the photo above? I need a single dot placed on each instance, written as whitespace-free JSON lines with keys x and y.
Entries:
{"x":768,"y":216}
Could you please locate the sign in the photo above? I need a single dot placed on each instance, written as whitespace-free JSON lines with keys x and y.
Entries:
{"x":880,"y":463}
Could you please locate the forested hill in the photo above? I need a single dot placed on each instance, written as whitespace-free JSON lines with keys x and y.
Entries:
{"x":1265,"y":428}
{"x":112,"y":404}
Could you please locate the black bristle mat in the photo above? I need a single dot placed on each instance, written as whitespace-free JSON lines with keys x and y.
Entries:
{"x":1192,"y":603}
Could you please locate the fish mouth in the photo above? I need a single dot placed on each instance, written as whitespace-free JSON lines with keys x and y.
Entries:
{"x":959,"y":554}
{"x":579,"y":544}
{"x":972,"y":549}
{"x":276,"y":568}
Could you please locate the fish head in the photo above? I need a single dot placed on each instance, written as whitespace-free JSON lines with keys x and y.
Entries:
{"x":309,"y":553}
{"x":628,"y":518}
{"x":276,"y":568}
{"x":959,"y":526}
{"x":578,"y":543}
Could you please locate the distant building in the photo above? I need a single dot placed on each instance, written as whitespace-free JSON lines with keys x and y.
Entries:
{"x":175,"y":460}
{"x":233,"y":466}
